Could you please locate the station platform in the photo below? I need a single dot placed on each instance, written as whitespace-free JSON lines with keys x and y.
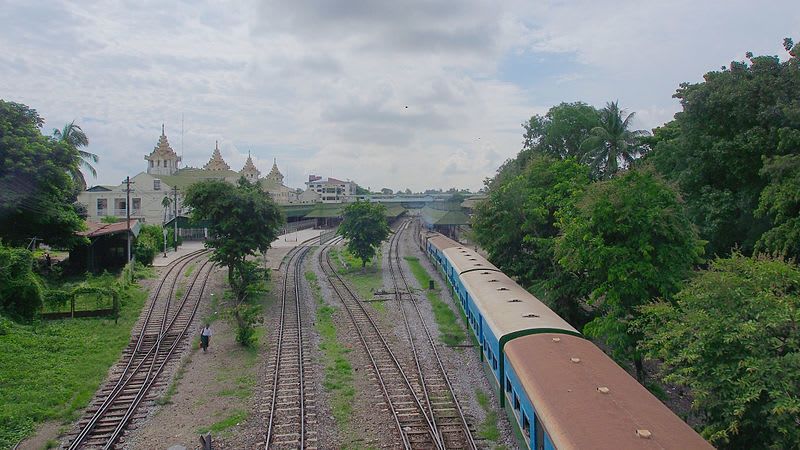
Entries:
{"x":279,"y":248}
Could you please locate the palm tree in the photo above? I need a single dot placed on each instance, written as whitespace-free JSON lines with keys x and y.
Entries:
{"x":611,"y":145}
{"x":166,"y":202}
{"x":74,"y":136}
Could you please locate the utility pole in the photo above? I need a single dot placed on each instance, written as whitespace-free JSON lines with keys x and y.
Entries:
{"x":175,"y":219}
{"x":128,"y":214}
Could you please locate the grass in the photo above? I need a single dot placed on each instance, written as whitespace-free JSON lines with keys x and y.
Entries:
{"x":488,"y":428}
{"x":243,"y":388}
{"x":365,"y":282}
{"x":189,"y":269}
{"x":237,"y":416}
{"x":450,"y":332}
{"x":338,"y":372}
{"x":51,"y":369}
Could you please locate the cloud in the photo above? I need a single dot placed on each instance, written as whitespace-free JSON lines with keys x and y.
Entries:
{"x":419,"y":94}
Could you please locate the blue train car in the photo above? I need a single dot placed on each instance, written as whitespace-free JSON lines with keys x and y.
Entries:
{"x":562,"y":396}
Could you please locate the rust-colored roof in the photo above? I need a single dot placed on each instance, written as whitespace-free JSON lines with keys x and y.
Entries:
{"x":95,"y":229}
{"x":585,"y":400}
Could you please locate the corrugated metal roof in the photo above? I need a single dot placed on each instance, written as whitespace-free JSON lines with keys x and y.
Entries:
{"x":101,"y":229}
{"x":433,"y":216}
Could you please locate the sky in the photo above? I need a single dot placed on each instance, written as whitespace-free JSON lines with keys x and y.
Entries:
{"x":390,"y":94}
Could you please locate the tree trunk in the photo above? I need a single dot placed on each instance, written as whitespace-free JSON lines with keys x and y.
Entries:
{"x":640,"y":374}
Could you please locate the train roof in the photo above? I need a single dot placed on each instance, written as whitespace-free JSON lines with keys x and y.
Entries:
{"x":585,"y":400}
{"x":465,"y":259}
{"x":441,"y":241}
{"x":507,"y":307}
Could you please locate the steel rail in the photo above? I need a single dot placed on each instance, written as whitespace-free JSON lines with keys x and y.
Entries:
{"x":146,"y":387}
{"x":325,"y":264}
{"x":467,"y":432}
{"x":296,"y":256}
{"x":127,"y":374}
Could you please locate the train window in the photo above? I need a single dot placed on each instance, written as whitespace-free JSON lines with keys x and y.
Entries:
{"x":539,"y":441}
{"x":494,"y":362}
{"x":516,"y":401}
{"x":526,"y":425}
{"x":508,"y":385}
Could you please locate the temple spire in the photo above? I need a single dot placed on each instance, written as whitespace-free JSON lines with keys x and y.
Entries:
{"x":216,"y":162}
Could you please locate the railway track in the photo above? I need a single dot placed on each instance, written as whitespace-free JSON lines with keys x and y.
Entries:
{"x":411,"y":417}
{"x":153,"y":344}
{"x":291,"y":410}
{"x":447,"y":416}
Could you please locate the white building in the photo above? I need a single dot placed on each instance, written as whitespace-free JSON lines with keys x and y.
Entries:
{"x":152,"y":196}
{"x":331,"y":190}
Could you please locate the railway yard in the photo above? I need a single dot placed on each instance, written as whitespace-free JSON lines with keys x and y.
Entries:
{"x":404,"y":387}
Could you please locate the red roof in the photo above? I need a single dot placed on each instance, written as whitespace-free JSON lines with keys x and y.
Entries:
{"x":100,"y":229}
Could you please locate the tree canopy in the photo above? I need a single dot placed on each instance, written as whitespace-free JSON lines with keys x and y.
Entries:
{"x":715,"y":149}
{"x":36,"y":190}
{"x":74,"y":136}
{"x":243,"y":220}
{"x":732,"y":336}
{"x":632,"y":240}
{"x":364,"y":226}
{"x":517,"y":226}
{"x":612,"y":144}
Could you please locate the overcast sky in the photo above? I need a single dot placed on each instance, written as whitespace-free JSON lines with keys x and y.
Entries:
{"x":399,"y":94}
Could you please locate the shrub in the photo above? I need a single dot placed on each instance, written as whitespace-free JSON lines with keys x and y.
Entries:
{"x":21,"y":289}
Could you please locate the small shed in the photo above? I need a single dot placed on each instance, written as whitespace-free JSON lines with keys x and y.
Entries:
{"x":107,"y":247}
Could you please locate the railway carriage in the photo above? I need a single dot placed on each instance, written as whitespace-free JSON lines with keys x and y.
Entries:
{"x":564,"y":391}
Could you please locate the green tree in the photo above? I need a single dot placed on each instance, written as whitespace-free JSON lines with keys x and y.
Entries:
{"x":517,"y":226}
{"x":364,"y":226}
{"x":732,"y":337}
{"x":74,"y":136}
{"x":780,"y":199}
{"x":36,"y":191}
{"x":166,"y":202}
{"x":558,"y":134}
{"x":612,"y":143}
{"x":148,"y":243}
{"x":731,"y":123}
{"x":243,"y":221}
{"x":630,"y":237}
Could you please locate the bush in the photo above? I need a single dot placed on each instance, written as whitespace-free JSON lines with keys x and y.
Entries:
{"x":149,"y":242}
{"x":21,"y":289}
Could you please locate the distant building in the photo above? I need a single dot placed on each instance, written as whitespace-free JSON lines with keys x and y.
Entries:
{"x":331,"y":190}
{"x":152,"y":195}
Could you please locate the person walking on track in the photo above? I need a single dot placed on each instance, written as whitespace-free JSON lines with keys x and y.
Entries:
{"x":205,"y":337}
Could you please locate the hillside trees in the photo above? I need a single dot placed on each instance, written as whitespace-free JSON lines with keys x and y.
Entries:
{"x":243,"y":221}
{"x":715,"y":149}
{"x":36,"y":190}
{"x":780,"y":200}
{"x":364,"y":226}
{"x":517,"y":226}
{"x":632,"y":240}
{"x":731,"y":336}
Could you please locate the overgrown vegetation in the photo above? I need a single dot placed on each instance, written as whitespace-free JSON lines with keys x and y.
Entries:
{"x":338,"y":372}
{"x":234,"y":418}
{"x":450,"y":332}
{"x":720,"y":179}
{"x":56,"y":366}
